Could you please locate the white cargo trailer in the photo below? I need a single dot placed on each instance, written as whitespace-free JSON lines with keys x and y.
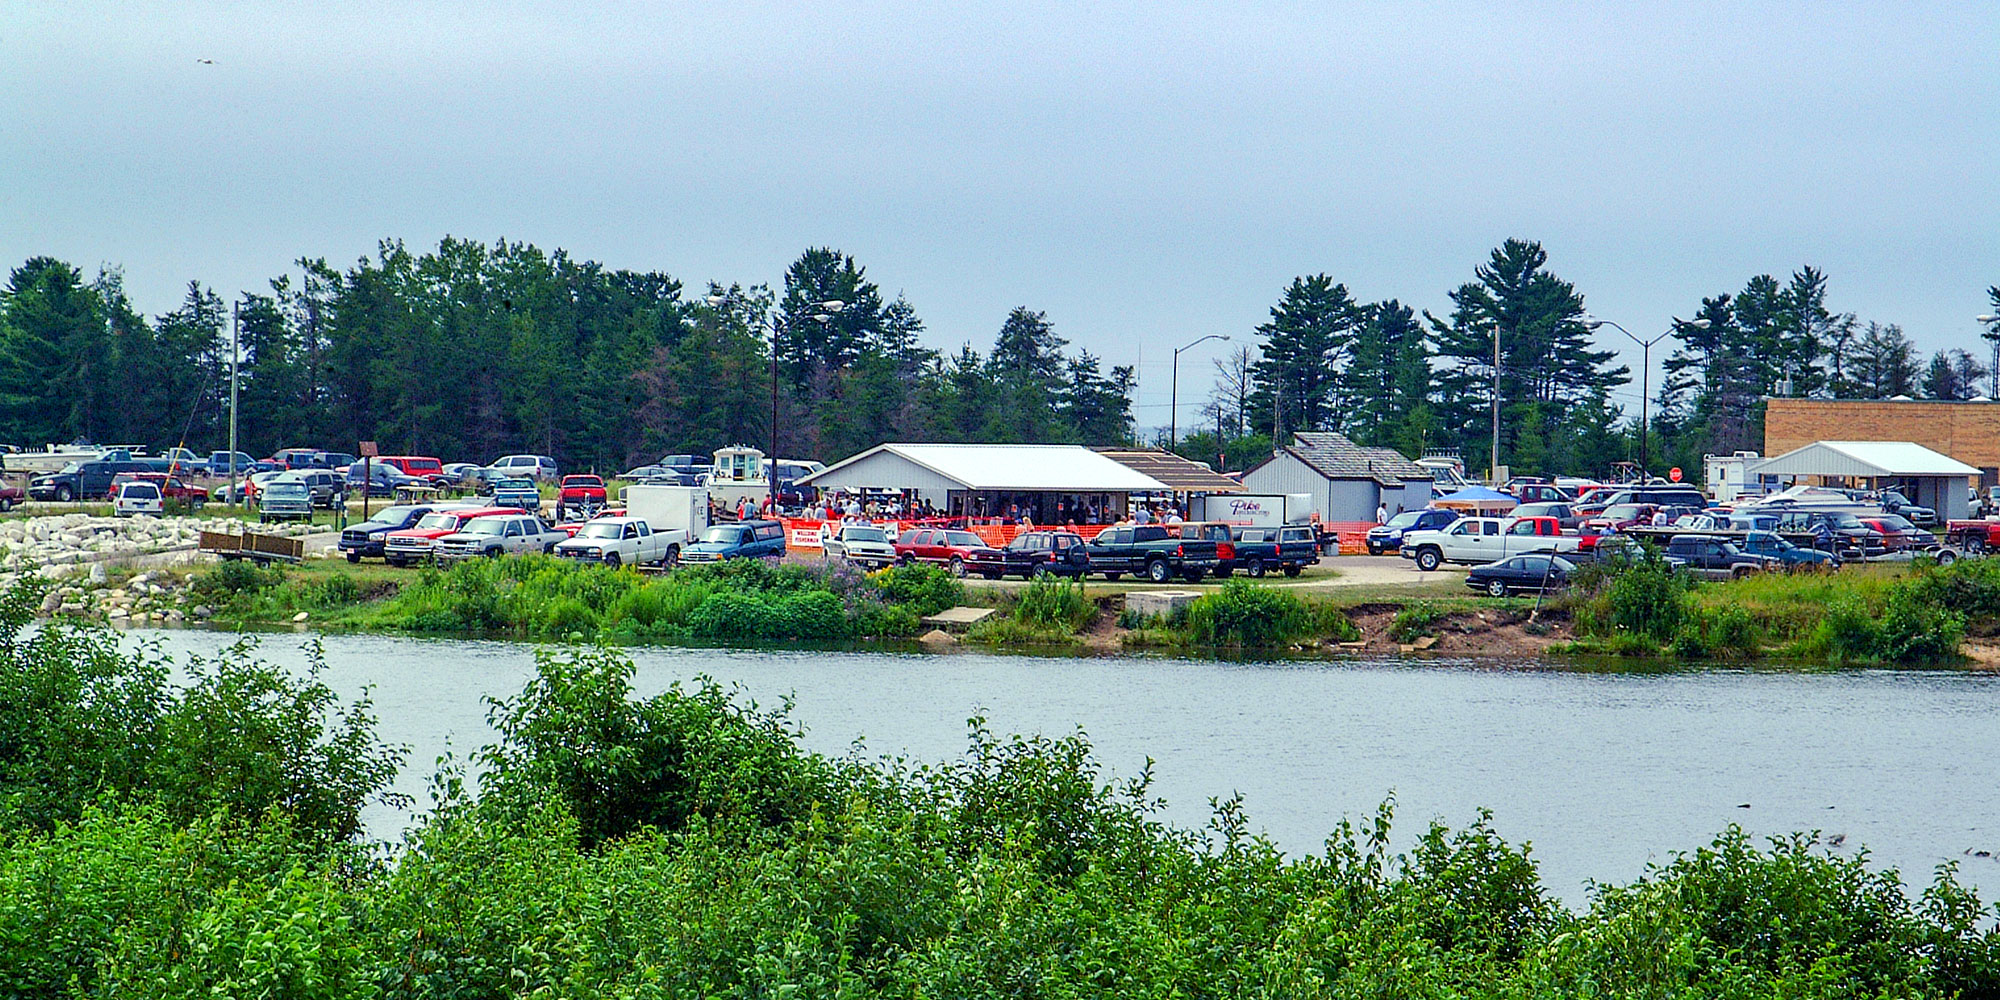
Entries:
{"x":678,"y":512}
{"x":1254,"y":510}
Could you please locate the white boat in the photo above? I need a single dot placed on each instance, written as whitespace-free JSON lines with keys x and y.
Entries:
{"x":741,"y":473}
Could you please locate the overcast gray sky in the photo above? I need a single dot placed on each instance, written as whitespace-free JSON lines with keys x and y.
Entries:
{"x":1145,"y":173}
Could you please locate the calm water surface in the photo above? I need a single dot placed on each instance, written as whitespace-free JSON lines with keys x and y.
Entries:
{"x":1600,"y":772}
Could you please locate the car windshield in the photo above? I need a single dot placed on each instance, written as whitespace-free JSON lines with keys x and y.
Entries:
{"x":1405,"y":519}
{"x":599,"y":529}
{"x":1844,"y":522}
{"x":963,"y":538}
{"x":1897,"y":522}
{"x":486,"y":526}
{"x":436,"y":521}
{"x":394,"y":515}
{"x":721,"y":536}
{"x":1623,"y":510}
{"x":863,"y":535}
{"x":585,"y":481}
{"x":285,"y":489}
{"x":517,"y":484}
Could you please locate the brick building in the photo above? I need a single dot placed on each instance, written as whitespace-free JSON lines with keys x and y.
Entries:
{"x":1968,"y":432}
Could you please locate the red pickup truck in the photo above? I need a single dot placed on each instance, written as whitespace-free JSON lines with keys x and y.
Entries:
{"x":583,"y":495}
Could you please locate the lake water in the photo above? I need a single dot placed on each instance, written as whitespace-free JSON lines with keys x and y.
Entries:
{"x":1601,"y":772}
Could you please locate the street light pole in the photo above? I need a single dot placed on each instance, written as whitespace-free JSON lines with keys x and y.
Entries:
{"x":1645,"y":371}
{"x":235,"y":321}
{"x":1493,"y":466}
{"x":1992,"y":324}
{"x":1174,"y":394}
{"x":829,"y":306}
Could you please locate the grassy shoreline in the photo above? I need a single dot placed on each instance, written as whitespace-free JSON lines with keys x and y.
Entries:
{"x":1912,"y":614}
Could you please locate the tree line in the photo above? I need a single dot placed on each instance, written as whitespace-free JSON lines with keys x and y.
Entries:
{"x":474,"y":350}
{"x":1387,"y":374}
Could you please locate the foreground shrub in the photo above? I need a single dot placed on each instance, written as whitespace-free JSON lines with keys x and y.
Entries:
{"x":620,"y":765}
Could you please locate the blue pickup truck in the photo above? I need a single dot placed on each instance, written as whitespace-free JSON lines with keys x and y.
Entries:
{"x":1389,"y":537}
{"x":737,"y":540}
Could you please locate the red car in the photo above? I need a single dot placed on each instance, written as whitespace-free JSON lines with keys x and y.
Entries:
{"x":951,"y":548}
{"x":580,"y":493}
{"x":419,"y":466}
{"x":1619,"y":516}
{"x":1899,"y":533}
{"x":402,"y":548}
{"x":293,"y":458}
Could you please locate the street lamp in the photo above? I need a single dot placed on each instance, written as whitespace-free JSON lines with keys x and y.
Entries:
{"x":829,"y":307}
{"x":1645,"y":369}
{"x":1989,"y":319}
{"x":1174,"y":395}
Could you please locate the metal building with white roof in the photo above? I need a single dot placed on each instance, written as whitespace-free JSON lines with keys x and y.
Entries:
{"x":1053,"y":482}
{"x":1930,"y":478}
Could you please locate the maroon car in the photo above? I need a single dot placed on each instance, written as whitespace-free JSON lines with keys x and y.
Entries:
{"x":951,"y":548}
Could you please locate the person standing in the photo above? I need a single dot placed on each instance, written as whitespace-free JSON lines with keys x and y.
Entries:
{"x":1381,"y":513}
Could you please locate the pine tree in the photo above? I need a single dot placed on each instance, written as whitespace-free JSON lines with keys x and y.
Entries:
{"x":1547,"y":364}
{"x":1304,"y":350}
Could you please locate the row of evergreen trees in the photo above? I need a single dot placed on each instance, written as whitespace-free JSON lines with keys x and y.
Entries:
{"x":471,"y":351}
{"x":1386,"y":375}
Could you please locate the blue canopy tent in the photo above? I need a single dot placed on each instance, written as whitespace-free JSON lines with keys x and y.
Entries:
{"x":1477,"y":498}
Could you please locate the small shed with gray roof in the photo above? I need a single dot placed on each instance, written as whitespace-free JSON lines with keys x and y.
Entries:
{"x":1346,"y":480}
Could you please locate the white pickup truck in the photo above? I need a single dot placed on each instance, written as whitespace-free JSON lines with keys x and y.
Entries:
{"x":1475,"y":541}
{"x":497,"y":535}
{"x":620,"y":541}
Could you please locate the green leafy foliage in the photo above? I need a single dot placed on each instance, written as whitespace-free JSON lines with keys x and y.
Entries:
{"x":1053,"y":602}
{"x":1241,"y":613}
{"x":683,"y":844}
{"x":742,"y":601}
{"x":81,"y":719}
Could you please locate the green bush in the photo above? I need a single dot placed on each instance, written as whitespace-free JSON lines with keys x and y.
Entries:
{"x":925,"y":590}
{"x":1241,"y":613}
{"x":731,"y":615}
{"x":1051,"y":602}
{"x":1848,"y":633}
{"x":686,"y":845}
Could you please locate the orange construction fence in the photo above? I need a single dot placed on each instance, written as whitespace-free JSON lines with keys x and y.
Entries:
{"x":803,"y":534}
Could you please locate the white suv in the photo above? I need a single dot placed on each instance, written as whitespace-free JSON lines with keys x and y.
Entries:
{"x":138,"y":498}
{"x":540,"y":467}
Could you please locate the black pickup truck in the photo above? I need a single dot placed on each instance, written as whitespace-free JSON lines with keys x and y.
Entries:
{"x":1156,"y":550}
{"x":1291,"y":548}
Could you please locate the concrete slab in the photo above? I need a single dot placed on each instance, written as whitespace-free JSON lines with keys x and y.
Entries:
{"x":1160,"y":602}
{"x":960,"y":617}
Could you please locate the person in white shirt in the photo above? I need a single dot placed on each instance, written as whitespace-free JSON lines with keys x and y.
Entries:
{"x":1381,"y":513}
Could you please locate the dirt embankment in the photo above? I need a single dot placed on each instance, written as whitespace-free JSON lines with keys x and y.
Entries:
{"x":1466,"y":632}
{"x":1456,"y":632}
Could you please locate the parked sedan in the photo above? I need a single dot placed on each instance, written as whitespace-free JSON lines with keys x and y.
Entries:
{"x":1523,"y":573}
